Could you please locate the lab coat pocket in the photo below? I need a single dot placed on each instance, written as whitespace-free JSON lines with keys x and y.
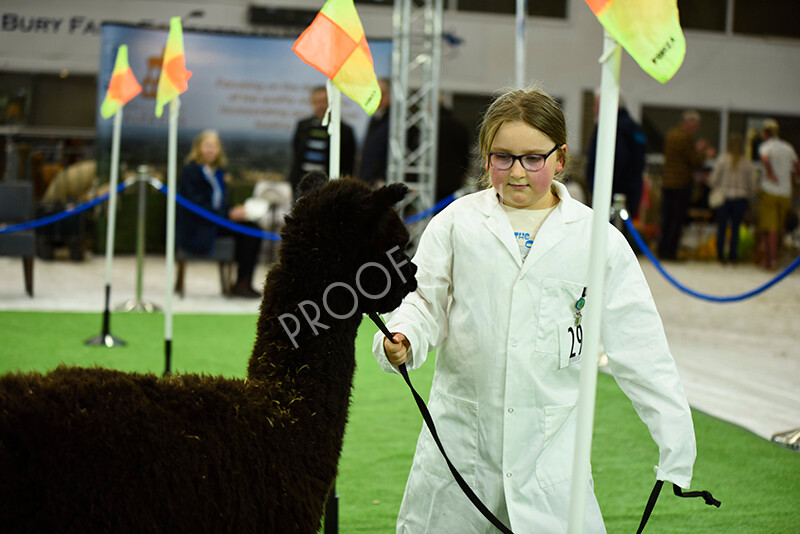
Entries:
{"x":554,"y":464}
{"x":456,"y":422}
{"x":557,"y":313}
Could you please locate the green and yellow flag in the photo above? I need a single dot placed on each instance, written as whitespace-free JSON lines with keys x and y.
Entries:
{"x":649,"y":30}
{"x":123,"y":86}
{"x":174,"y":75}
{"x":334,"y":44}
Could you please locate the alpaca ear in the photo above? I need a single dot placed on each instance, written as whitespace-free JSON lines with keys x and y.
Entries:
{"x":391,"y":194}
{"x":311,"y":182}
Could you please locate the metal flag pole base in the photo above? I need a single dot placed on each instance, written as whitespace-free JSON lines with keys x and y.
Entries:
{"x":790,"y":438}
{"x":136,"y":305}
{"x":105,"y":340}
{"x":332,"y":511}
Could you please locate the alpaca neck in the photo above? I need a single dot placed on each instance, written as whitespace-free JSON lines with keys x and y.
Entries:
{"x":302,"y":346}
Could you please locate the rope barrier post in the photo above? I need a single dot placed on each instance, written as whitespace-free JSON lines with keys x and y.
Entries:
{"x":617,"y":205}
{"x":105,"y":338}
{"x":136,"y":304}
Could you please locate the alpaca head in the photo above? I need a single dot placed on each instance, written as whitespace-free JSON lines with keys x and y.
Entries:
{"x":355,"y":244}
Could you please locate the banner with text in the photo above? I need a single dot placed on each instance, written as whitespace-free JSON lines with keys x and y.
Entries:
{"x":252,"y":89}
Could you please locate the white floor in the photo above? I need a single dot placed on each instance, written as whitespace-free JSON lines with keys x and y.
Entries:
{"x":739,"y":361}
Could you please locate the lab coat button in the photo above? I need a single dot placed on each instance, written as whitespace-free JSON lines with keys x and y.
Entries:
{"x":514,"y":345}
{"x":511,"y":410}
{"x":508,"y":475}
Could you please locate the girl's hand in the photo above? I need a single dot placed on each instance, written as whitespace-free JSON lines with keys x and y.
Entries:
{"x":396,"y":349}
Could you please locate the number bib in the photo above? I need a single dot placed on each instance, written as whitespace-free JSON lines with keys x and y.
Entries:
{"x":570,"y":343}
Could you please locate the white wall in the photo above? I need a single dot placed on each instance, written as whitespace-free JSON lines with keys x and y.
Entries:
{"x":720,"y":71}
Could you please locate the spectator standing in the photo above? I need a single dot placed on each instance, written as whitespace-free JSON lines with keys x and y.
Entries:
{"x":311,"y":143}
{"x":629,"y":159}
{"x":780,"y":165}
{"x":452,"y":160}
{"x":375,"y":149}
{"x":734,"y":176}
{"x":682,"y":156}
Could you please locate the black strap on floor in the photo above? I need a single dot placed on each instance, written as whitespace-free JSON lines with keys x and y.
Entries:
{"x":651,"y":502}
{"x":426,"y":415}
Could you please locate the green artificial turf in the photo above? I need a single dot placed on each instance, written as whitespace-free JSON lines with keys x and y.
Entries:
{"x":757,"y":481}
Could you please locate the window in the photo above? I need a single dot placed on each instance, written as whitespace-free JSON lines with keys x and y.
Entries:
{"x":706,"y":15}
{"x":536,"y":8}
{"x":766,"y":17}
{"x":658,"y":120}
{"x":390,"y":3}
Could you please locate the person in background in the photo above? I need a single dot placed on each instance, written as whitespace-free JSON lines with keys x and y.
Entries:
{"x":502,"y":277}
{"x":311,"y":143}
{"x":375,"y":149}
{"x":682,"y":156}
{"x":735,"y":177}
{"x":202,"y":182}
{"x":453,"y":151}
{"x":629,"y":158}
{"x":780,"y":166}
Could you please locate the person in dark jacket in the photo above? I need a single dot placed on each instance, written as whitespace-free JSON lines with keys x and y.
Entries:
{"x":311,"y":143}
{"x":202,"y":182}
{"x":375,"y":150}
{"x":629,"y":160}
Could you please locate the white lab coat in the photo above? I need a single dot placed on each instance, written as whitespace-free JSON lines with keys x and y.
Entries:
{"x":505,"y":387}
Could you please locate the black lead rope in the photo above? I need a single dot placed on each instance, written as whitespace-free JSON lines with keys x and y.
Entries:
{"x":651,"y":502}
{"x":426,"y":415}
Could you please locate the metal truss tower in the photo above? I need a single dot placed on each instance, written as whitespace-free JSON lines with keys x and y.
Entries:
{"x":414,"y":111}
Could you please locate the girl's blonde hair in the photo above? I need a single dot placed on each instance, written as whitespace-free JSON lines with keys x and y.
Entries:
{"x":532,"y":106}
{"x":196,"y":155}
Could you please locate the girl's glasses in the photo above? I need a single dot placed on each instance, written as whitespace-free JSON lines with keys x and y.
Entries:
{"x":530,"y":162}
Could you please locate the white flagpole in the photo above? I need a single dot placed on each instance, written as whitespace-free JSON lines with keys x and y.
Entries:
{"x":601,"y":202}
{"x":105,"y":337}
{"x":334,"y":129}
{"x":112,"y":194}
{"x":172,"y":166}
{"x":522,"y":12}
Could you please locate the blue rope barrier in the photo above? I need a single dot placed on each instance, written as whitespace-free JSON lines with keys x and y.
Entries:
{"x":213,"y":217}
{"x":732,"y":298}
{"x":50,"y":219}
{"x":191,"y":206}
{"x":430,"y":211}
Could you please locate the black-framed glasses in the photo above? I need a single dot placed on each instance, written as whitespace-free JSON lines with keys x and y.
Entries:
{"x":530,"y":162}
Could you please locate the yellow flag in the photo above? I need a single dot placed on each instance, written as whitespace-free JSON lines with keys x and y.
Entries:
{"x":123,"y":86}
{"x":335,"y":44}
{"x":174,"y":75}
{"x":650,"y":31}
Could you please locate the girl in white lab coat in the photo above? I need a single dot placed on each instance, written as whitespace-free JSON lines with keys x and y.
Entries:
{"x":501,"y":282}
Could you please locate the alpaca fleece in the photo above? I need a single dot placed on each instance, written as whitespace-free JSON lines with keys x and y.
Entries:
{"x":98,"y":450}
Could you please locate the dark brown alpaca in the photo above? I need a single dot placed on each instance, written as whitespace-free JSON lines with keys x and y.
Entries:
{"x":96,"y":450}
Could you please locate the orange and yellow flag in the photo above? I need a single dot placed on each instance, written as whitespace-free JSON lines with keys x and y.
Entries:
{"x":174,"y":75}
{"x":649,"y":30}
{"x":335,"y":44}
{"x":123,"y":86}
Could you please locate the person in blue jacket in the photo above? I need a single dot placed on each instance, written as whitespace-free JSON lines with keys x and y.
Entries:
{"x":202,"y":181}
